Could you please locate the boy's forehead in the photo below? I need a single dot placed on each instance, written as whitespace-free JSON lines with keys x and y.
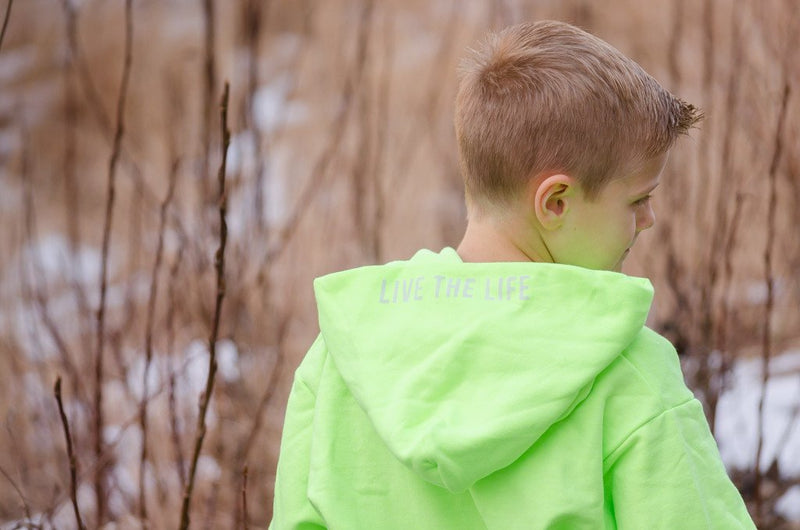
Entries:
{"x":647,"y":175}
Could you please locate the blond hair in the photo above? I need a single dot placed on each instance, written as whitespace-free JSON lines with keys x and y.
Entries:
{"x":550,"y":97}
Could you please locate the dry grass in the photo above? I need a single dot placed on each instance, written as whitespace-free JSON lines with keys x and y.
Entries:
{"x":342,"y":154}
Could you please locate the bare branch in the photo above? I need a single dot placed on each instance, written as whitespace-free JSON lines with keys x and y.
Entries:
{"x":209,"y":86}
{"x":73,"y":467}
{"x":99,"y":480}
{"x":6,"y":18}
{"x":245,"y":524}
{"x":219,"y":264}
{"x":148,"y":340}
{"x":766,"y":348}
{"x":25,"y":506}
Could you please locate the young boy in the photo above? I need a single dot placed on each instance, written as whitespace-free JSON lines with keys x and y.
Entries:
{"x":512,"y":383}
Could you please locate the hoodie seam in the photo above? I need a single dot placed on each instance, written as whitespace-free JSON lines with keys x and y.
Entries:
{"x":644,"y":425}
{"x":307,"y":386}
{"x":662,"y":407}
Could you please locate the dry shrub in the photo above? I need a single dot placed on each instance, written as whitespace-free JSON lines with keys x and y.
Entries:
{"x":342,"y":155}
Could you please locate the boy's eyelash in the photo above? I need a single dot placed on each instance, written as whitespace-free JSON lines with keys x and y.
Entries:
{"x":643,"y":200}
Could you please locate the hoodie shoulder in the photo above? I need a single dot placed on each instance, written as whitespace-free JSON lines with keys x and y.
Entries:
{"x":310,"y":370}
{"x":656,"y":362}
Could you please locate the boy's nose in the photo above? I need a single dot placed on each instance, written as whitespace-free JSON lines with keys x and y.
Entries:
{"x":645,"y":219}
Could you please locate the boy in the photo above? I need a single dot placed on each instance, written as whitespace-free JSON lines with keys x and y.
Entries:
{"x":512,"y":383}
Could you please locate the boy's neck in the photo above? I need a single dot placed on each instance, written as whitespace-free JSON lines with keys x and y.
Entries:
{"x":488,"y":241}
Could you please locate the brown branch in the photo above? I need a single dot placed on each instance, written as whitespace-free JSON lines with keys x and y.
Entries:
{"x":412,"y":145}
{"x":378,"y":169}
{"x":706,"y":161}
{"x":76,"y":60}
{"x":209,"y":86}
{"x":148,"y":340}
{"x":73,"y":468}
{"x":212,"y":501}
{"x":766,"y":347}
{"x":72,"y":204}
{"x":359,"y":174}
{"x":219,"y":264}
{"x":39,"y":282}
{"x":173,"y":415}
{"x":720,"y":224}
{"x":245,"y":524}
{"x":99,"y":478}
{"x":720,"y":339}
{"x":313,"y":185}
{"x":5,"y":21}
{"x":676,"y":38}
{"x":269,"y":391}
{"x":25,"y":506}
{"x":251,"y":27}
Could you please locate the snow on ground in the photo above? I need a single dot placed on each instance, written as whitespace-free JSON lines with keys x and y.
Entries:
{"x":788,"y":506}
{"x":737,"y":415}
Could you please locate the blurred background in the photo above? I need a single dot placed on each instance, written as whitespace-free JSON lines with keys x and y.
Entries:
{"x":342,"y":153}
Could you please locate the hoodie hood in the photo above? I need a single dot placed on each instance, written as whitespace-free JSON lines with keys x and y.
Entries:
{"x":461,"y":367}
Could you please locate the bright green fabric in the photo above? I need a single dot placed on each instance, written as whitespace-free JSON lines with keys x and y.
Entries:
{"x":494,"y":396}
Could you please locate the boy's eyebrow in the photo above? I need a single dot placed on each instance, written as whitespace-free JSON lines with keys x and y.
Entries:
{"x":650,"y":189}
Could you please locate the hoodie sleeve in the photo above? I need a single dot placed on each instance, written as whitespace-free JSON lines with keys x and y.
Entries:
{"x":668,"y":474}
{"x":291,"y":509}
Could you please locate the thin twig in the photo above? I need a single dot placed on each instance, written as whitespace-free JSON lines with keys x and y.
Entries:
{"x":720,"y":339}
{"x":219,"y":264}
{"x":73,"y":467}
{"x":366,"y":136}
{"x":378,"y":169}
{"x":72,"y":203}
{"x":148,"y":339}
{"x":252,"y":24}
{"x":269,"y":390}
{"x":99,"y":478}
{"x":245,"y":524}
{"x":209,"y":86}
{"x":25,"y":506}
{"x":173,"y":413}
{"x":675,"y":41}
{"x":5,"y":21}
{"x":720,"y":224}
{"x":76,"y":58}
{"x":769,"y":278}
{"x":313,"y":185}
{"x":77,"y":61}
{"x":412,"y":146}
{"x":39,"y":282}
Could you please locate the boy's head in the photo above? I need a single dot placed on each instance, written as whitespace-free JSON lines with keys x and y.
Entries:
{"x":546,"y":112}
{"x":550,"y":97}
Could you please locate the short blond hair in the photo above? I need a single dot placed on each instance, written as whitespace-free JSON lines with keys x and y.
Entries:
{"x":548,"y":96}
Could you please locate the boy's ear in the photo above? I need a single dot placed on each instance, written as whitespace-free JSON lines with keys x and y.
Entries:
{"x":550,"y":201}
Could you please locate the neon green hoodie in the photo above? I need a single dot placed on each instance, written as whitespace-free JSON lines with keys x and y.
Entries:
{"x":449,"y":395}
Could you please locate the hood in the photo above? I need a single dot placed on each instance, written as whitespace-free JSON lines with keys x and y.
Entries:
{"x":461,"y":367}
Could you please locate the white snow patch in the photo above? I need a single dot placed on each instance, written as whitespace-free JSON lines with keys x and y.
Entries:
{"x":242,"y":160}
{"x":15,"y":62}
{"x":788,"y":506}
{"x":135,"y":377}
{"x":285,"y":45}
{"x":195,"y":368}
{"x":64,"y":514}
{"x":52,"y":257}
{"x":10,"y":142}
{"x":737,"y":416}
{"x":208,"y":469}
{"x":125,"y":442}
{"x":228,"y":360}
{"x":240,"y":154}
{"x":271,"y":107}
